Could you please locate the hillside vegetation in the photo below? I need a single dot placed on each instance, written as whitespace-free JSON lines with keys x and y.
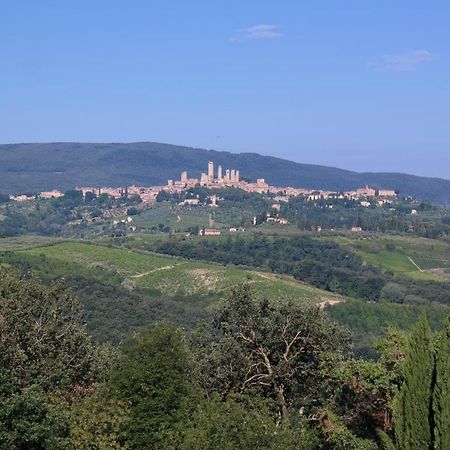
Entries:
{"x":262,"y":373}
{"x":35,"y":167}
{"x":123,"y":290}
{"x":412,"y":257}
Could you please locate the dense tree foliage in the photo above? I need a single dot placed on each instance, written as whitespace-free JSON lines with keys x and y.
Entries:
{"x":263,"y":374}
{"x":441,"y":390}
{"x":152,"y":374}
{"x":46,"y":359}
{"x":421,"y":407}
{"x":412,"y":406}
{"x":275,"y":348}
{"x":42,"y":340}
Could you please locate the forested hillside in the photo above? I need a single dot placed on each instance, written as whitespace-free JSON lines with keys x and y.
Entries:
{"x":263,"y":374}
{"x":34,"y":167}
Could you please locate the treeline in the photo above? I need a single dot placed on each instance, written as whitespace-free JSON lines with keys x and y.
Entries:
{"x":324,"y":264}
{"x":264,"y":374}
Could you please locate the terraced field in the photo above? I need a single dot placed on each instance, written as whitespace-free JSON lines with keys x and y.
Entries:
{"x":175,"y":276}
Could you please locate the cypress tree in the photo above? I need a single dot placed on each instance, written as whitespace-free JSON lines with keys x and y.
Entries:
{"x":441,"y":393}
{"x":412,"y":407}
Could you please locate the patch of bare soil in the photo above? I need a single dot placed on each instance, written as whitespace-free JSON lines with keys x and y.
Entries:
{"x":329,"y":302}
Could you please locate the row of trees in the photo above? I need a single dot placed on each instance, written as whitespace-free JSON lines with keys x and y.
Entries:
{"x":264,"y":374}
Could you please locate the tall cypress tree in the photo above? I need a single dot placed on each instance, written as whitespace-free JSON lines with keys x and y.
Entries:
{"x":441,"y":392}
{"x":412,"y":407}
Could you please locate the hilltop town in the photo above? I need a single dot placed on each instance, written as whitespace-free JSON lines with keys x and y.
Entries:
{"x":221,"y":178}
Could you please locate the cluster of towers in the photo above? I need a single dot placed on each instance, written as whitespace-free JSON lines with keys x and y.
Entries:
{"x":229,"y":177}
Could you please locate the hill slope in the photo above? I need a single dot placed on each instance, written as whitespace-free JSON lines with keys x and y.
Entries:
{"x":34,"y":167}
{"x":124,"y":290}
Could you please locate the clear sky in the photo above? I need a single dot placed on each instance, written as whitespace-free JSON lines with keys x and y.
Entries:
{"x":358,"y":84}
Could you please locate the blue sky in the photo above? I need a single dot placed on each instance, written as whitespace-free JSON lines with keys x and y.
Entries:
{"x":358,"y":84}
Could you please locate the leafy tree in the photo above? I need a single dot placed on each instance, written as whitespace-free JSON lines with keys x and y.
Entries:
{"x":42,"y":340}
{"x":363,"y":396}
{"x":152,"y":374}
{"x":393,"y":292}
{"x":441,"y":392}
{"x":279,"y":350}
{"x":392,"y":351}
{"x":27,"y":422}
{"x":97,"y":422}
{"x":238,"y":423}
{"x":412,"y":413}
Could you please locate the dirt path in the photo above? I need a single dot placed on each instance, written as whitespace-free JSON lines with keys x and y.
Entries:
{"x":415,"y":265}
{"x":140,"y":275}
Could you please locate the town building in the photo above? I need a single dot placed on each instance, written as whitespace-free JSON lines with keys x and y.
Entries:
{"x":366,"y":192}
{"x":51,"y":194}
{"x":386,"y":193}
{"x":210,"y":171}
{"x":210,"y":232}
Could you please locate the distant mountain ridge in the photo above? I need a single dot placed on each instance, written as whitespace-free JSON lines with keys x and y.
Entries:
{"x":37,"y":167}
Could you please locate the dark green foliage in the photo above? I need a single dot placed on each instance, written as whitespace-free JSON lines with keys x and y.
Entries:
{"x":235,"y":424}
{"x":369,"y":321}
{"x":26,"y":421}
{"x":412,"y":409}
{"x":153,"y":376}
{"x":97,"y":421}
{"x":393,"y":292}
{"x":42,"y":340}
{"x":279,"y":350}
{"x":441,"y":391}
{"x":111,"y":310}
{"x":44,"y":351}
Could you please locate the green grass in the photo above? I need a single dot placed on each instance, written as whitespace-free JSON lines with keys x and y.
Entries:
{"x":179,"y":217}
{"x":24,"y":242}
{"x":174,"y":216}
{"x":175,"y":276}
{"x":126,"y":262}
{"x":394,"y":253}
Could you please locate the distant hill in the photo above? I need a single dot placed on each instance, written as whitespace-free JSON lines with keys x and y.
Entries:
{"x":36,"y":167}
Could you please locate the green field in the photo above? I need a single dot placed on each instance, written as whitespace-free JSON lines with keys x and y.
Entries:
{"x":173,"y":216}
{"x":172,"y":275}
{"x":23,"y":242}
{"x":414,"y":257}
{"x":178,"y":217}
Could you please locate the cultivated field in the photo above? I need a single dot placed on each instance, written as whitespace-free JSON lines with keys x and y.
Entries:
{"x":175,"y":276}
{"x":413,"y":257}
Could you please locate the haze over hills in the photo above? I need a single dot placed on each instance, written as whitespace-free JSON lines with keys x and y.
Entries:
{"x":36,"y":167}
